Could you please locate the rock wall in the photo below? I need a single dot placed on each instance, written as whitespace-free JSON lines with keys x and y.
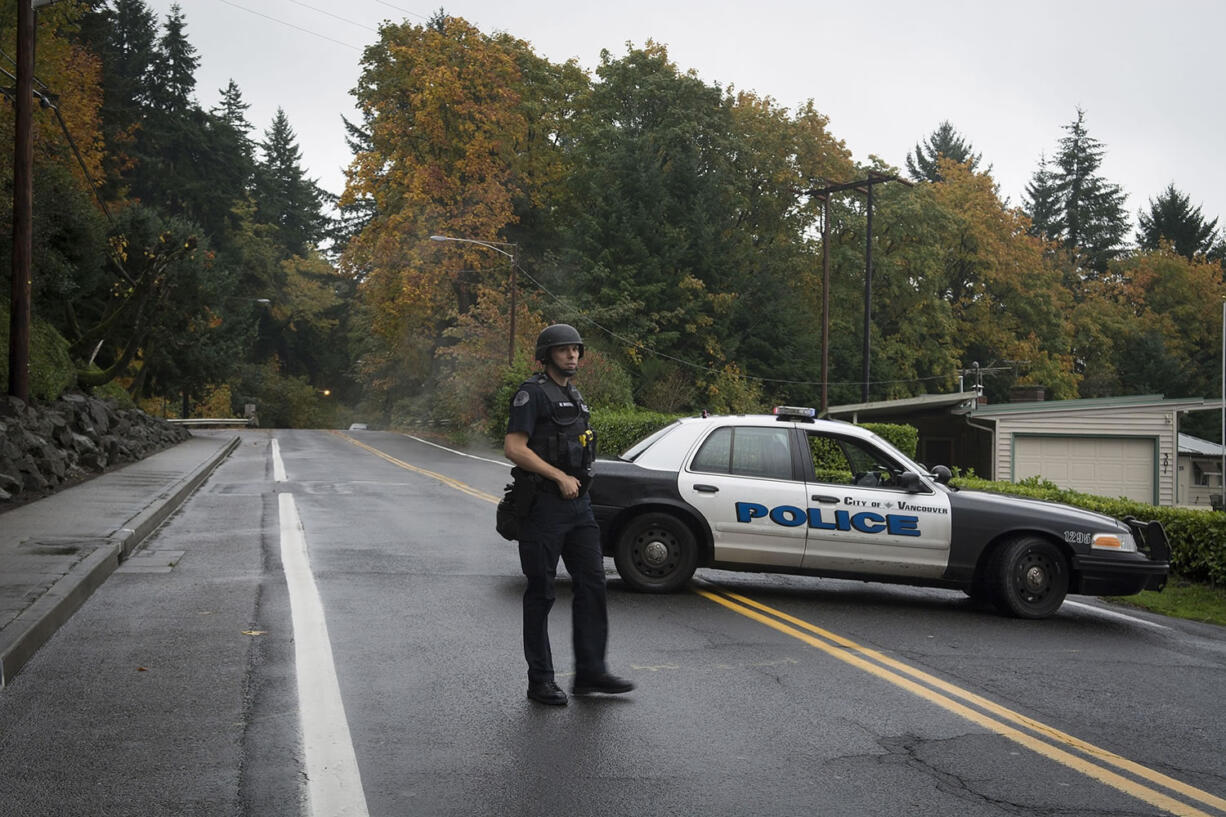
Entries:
{"x":46,"y":447}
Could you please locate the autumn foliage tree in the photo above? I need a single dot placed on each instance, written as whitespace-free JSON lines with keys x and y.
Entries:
{"x":444,"y":163}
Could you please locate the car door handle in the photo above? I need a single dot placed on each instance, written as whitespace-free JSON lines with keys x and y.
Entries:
{"x":706,"y":489}
{"x":829,"y":500}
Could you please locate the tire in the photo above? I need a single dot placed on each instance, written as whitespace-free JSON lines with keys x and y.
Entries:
{"x":656,"y":553}
{"x":1029,"y":578}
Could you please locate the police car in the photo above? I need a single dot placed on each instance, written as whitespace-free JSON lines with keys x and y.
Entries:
{"x":789,"y":493}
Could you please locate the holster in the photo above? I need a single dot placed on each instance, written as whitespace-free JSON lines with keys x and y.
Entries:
{"x":514,"y":507}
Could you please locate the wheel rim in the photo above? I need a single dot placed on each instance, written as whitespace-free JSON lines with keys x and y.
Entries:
{"x":656,"y":552}
{"x":1034,"y":577}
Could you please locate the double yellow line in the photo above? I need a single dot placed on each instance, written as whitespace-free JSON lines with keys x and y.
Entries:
{"x":1074,"y":753}
{"x":1092,"y":761}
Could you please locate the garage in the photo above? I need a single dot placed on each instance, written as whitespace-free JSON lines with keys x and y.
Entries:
{"x":1105,"y":446}
{"x":1106,"y":466}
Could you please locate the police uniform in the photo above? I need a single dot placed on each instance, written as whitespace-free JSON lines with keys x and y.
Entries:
{"x":555,"y":418}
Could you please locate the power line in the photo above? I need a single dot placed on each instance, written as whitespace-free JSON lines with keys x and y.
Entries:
{"x":48,"y":100}
{"x":289,"y":24}
{"x":334,"y":16}
{"x":405,"y":11}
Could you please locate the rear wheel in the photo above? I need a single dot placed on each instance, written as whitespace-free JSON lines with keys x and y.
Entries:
{"x":656,"y":553}
{"x":1029,"y":577}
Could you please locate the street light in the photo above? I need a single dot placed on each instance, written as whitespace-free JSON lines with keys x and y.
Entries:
{"x":496,"y":246}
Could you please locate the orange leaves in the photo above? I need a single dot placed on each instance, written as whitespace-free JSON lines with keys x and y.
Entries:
{"x":445,"y":112}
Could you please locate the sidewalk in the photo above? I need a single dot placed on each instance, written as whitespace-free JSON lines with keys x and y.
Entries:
{"x":55,"y":551}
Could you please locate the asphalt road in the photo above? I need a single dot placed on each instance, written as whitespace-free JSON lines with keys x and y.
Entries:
{"x":336,"y":631}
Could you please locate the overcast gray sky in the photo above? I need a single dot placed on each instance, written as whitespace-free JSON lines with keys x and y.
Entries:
{"x":1008,"y":76}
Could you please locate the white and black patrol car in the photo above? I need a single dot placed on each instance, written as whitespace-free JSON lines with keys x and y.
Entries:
{"x":788,"y":493}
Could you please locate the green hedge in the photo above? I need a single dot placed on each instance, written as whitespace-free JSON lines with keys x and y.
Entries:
{"x":904,"y":438}
{"x":1197,"y":538}
{"x":618,"y":429}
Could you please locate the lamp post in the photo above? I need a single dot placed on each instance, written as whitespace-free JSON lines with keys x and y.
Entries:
{"x":497,"y":246}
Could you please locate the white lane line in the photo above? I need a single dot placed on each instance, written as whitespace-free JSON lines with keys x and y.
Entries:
{"x":1112,"y":614}
{"x":334,"y":783}
{"x":503,"y":463}
{"x":278,"y":467}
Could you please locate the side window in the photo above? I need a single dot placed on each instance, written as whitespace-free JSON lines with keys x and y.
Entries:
{"x":842,"y":461}
{"x":746,"y":451}
{"x":715,"y":456}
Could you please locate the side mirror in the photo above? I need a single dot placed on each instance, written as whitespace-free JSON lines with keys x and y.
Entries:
{"x":942,"y":474}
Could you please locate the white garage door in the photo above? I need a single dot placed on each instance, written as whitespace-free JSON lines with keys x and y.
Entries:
{"x":1105,"y":466}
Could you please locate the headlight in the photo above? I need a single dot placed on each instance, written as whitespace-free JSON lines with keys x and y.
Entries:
{"x":1119,"y":541}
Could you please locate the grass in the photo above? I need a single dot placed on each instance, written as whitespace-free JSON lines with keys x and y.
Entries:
{"x":1182,"y":599}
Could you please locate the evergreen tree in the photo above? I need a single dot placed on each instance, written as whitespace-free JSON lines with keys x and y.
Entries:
{"x":353,"y":213}
{"x":1041,"y":200}
{"x":285,"y":197}
{"x":1172,"y":218}
{"x":1068,"y":201}
{"x":125,"y":39}
{"x":229,"y":117}
{"x":232,"y":110}
{"x":943,"y":142}
{"x":174,"y":66}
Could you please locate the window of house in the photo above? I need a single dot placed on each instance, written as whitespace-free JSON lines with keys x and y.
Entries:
{"x":1206,"y":474}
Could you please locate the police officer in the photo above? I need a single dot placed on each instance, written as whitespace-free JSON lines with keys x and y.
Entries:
{"x":549,"y":440}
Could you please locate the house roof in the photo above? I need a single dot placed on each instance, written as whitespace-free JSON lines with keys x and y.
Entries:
{"x":958,"y":402}
{"x":965,"y":402}
{"x":1096,"y":404}
{"x":1195,"y":445}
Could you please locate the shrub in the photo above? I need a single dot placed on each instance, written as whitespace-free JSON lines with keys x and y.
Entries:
{"x":618,"y":429}
{"x":903,"y":437}
{"x":282,"y":401}
{"x":51,"y":368}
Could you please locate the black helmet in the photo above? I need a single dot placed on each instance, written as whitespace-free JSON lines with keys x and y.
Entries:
{"x":560,"y":334}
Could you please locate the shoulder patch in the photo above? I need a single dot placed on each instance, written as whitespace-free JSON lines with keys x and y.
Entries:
{"x":521,"y":398}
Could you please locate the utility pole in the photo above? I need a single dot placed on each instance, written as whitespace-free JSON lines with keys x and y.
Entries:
{"x":23,"y":198}
{"x":864,"y":186}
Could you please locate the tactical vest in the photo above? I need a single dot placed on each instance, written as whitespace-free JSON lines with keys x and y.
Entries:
{"x":564,"y":439}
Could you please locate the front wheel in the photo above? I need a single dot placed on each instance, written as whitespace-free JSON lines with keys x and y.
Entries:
{"x":656,"y":553}
{"x":1029,"y":577}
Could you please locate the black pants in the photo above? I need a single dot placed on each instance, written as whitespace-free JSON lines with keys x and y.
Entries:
{"x":563,"y":528}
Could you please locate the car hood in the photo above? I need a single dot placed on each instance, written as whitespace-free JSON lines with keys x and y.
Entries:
{"x":985,"y":502}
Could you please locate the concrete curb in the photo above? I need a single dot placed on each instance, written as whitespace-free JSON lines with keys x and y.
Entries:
{"x":36,"y":624}
{"x":138,"y":528}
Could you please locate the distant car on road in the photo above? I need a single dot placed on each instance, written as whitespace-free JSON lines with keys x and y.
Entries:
{"x":357,"y":426}
{"x":789,"y":493}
